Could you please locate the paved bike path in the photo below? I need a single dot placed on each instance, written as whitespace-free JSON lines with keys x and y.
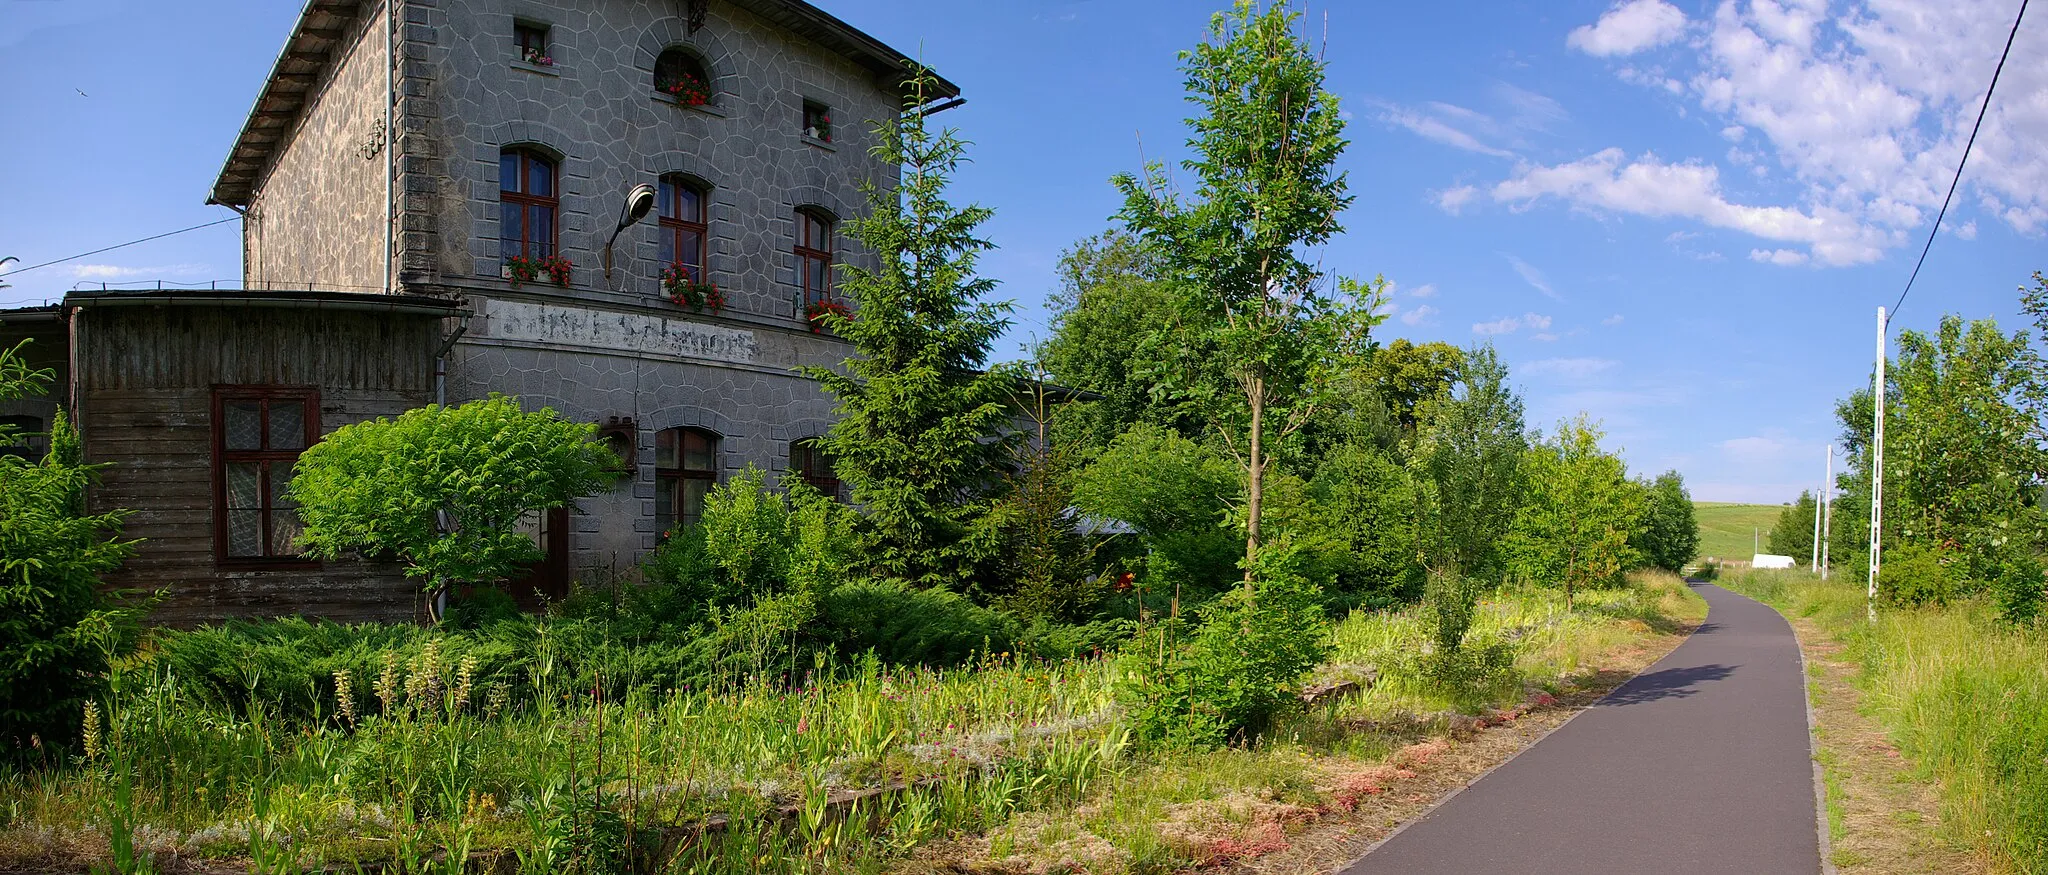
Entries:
{"x":1701,"y":764}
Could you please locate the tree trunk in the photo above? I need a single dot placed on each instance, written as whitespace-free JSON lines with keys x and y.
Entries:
{"x":1256,"y":482}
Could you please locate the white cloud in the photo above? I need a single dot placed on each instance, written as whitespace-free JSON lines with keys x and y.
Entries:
{"x":1419,"y":315}
{"x":1612,"y":321}
{"x":1629,"y":28}
{"x":1649,"y":186}
{"x":1966,"y":230}
{"x":1426,"y":290}
{"x":1568,"y":368}
{"x":1867,"y":105}
{"x":1451,"y":200}
{"x":1779,"y":257}
{"x":1545,"y":337}
{"x":1437,"y":124}
{"x":1534,"y":278}
{"x":1512,"y":324}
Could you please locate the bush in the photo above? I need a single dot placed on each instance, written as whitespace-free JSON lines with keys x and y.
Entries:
{"x":2018,"y":590}
{"x":1914,"y":574}
{"x":1708,"y":570}
{"x":1229,"y":677}
{"x":1448,"y":605}
{"x":1369,"y":504}
{"x":483,"y":606}
{"x":907,"y":626}
{"x":57,"y":629}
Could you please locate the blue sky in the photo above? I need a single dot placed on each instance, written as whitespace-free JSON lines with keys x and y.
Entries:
{"x":1678,"y":217}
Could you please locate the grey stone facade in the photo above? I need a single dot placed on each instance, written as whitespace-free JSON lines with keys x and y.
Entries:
{"x":601,"y":348}
{"x":316,"y":221}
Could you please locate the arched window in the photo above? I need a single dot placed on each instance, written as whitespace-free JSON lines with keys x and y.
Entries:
{"x":685,"y":467}
{"x":808,"y":461}
{"x":527,"y":202}
{"x":814,"y":255}
{"x":679,"y":74}
{"x":683,"y":227}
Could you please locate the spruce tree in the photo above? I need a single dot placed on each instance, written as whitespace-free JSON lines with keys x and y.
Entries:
{"x":921,"y":430}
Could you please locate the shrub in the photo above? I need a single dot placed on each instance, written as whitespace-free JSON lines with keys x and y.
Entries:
{"x":907,"y":626}
{"x":1708,"y":570}
{"x":56,"y":628}
{"x":2019,"y":590}
{"x":444,"y":488}
{"x":483,"y":606}
{"x":1915,"y":574}
{"x":1242,"y":666}
{"x":1448,"y":604}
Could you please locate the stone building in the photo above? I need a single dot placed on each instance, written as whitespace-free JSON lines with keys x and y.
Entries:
{"x":435,"y":208}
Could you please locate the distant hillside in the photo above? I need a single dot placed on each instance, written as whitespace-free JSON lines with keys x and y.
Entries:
{"x":1725,"y":529}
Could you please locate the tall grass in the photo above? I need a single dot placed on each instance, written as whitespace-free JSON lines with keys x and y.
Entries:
{"x":426,"y":758}
{"x":1963,"y":696}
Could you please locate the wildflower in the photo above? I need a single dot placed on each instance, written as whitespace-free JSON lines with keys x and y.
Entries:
{"x":345,"y":694}
{"x":386,"y":686}
{"x":465,"y":677}
{"x":92,"y":731}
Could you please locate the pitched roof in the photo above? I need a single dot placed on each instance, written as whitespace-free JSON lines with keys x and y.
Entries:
{"x":316,"y":43}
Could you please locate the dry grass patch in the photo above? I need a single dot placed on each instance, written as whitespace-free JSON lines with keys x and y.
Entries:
{"x":1881,"y":821}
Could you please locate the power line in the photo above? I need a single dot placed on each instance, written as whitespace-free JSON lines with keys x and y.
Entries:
{"x":118,"y":245}
{"x":1965,"y":159}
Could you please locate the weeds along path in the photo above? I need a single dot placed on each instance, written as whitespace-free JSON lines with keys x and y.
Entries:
{"x":1701,"y":764}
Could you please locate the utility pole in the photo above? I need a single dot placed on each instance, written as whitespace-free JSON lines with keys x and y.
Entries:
{"x":1813,"y":562}
{"x":1827,"y":516}
{"x":1876,"y":471}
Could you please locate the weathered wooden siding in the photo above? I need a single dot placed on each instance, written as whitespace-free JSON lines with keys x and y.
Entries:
{"x":148,"y":376}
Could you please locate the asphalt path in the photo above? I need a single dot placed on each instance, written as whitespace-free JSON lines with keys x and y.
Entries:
{"x":1701,"y":764}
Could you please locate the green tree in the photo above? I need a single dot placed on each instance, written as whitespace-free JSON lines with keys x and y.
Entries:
{"x":1669,"y":535}
{"x":1265,"y":146}
{"x":1467,"y":470}
{"x":1407,"y":376}
{"x":1117,"y":332}
{"x":920,"y":434}
{"x":1574,"y":531}
{"x":444,"y":488}
{"x":1792,"y":534}
{"x":1178,"y":495}
{"x":1369,"y":503}
{"x":57,"y":628}
{"x":1963,"y":445}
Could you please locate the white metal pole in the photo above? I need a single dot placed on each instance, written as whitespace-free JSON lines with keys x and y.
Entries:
{"x":1876,"y":469}
{"x":1813,"y":561}
{"x":1827,"y":516}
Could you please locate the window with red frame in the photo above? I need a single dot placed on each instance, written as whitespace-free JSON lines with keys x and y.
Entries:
{"x":683,"y":224}
{"x":527,"y":204}
{"x":685,"y":467}
{"x":258,"y":433}
{"x":808,"y":460}
{"x":814,"y":256}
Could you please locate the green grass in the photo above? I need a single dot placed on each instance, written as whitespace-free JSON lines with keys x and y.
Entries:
{"x":1726,"y":530}
{"x":1004,"y":759}
{"x":1963,"y":696}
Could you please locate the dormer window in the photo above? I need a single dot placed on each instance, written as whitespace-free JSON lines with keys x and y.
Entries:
{"x":817,"y":121}
{"x":532,"y":42}
{"x":679,"y":74}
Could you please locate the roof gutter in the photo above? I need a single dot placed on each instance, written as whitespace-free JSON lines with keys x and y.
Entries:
{"x":340,"y":302}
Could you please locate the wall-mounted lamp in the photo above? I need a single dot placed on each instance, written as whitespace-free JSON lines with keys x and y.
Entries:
{"x":639,"y":202}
